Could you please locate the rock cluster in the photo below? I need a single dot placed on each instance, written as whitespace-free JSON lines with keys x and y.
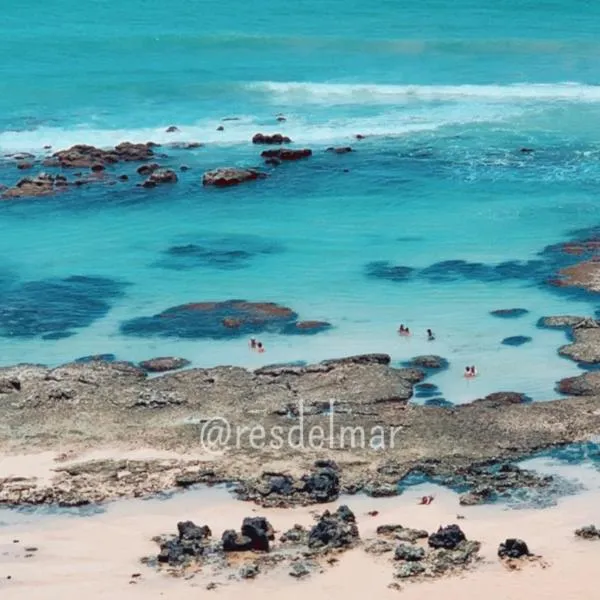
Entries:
{"x":82,"y":155}
{"x":276,"y":138}
{"x":43,"y":184}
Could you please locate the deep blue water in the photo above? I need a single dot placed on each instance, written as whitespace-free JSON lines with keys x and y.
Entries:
{"x":448,"y":95}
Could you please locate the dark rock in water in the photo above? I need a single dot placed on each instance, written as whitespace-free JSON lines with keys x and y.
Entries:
{"x":276,"y":138}
{"x":193,"y":255}
{"x":360,"y":136}
{"x":323,"y":486}
{"x":307,"y":327}
{"x":162,"y":364}
{"x":287,"y":154}
{"x":23,"y":166}
{"x":340,"y":150}
{"x":409,"y":552}
{"x":86,"y":156}
{"x":97,"y":168}
{"x":527,"y":150}
{"x":428,"y":362}
{"x":160,"y":176}
{"x":281,"y":119}
{"x":516,"y":340}
{"x":96,"y":357}
{"x":214,"y":320}
{"x":58,"y":335}
{"x":172,"y":129}
{"x":385,"y":270}
{"x":509,"y":313}
{"x":55,"y":306}
{"x":147,"y":169}
{"x":123,"y":177}
{"x":513,"y":548}
{"x":273,"y":161}
{"x":226,"y":177}
{"x":361,"y":359}
{"x":589,"y":532}
{"x":42,"y":184}
{"x":447,"y":537}
{"x":234,"y":542}
{"x":337,"y":530}
{"x":259,"y":531}
{"x":439,"y":401}
{"x":220,"y":128}
{"x":184,"y":168}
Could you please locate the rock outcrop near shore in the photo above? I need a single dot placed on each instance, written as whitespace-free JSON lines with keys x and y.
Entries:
{"x":358,"y":405}
{"x":228,"y":176}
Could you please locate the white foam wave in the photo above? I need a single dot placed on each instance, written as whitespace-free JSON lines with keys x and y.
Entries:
{"x":341,"y":93}
{"x":300,"y":128}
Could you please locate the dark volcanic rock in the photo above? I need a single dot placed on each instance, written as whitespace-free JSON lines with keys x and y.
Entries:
{"x":190,"y":544}
{"x":589,"y":532}
{"x":259,"y":531}
{"x":162,"y":364}
{"x":276,"y":138}
{"x":447,"y":537}
{"x":323,"y":486}
{"x":513,"y":548}
{"x":409,"y":552}
{"x":404,"y":534}
{"x":235,"y":542}
{"x":334,"y":530}
{"x":287,"y":153}
{"x":509,"y":313}
{"x":56,"y":305}
{"x":215,"y":320}
{"x":172,"y":129}
{"x":516,"y":340}
{"x":225,"y":177}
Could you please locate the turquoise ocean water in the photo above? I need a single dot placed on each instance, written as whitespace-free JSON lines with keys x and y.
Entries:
{"x":448,"y":95}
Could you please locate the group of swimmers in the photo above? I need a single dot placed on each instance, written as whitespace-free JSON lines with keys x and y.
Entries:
{"x":255,"y":345}
{"x":406,"y":331}
{"x":470,"y":372}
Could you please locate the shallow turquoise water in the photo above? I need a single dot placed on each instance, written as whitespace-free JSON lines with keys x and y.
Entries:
{"x":448,"y":95}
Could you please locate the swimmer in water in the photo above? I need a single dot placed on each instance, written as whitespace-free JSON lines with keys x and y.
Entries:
{"x":252,"y":344}
{"x":468,"y":373}
{"x":260,"y":347}
{"x":473,"y":372}
{"x":430,"y":336}
{"x":401,"y":329}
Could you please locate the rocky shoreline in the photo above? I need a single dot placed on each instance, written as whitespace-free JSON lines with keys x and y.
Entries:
{"x":372,"y":438}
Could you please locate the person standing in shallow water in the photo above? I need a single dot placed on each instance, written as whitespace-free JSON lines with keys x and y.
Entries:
{"x":252,"y":344}
{"x":430,"y":336}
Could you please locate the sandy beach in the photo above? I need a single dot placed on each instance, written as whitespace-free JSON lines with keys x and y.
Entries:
{"x":96,"y":556}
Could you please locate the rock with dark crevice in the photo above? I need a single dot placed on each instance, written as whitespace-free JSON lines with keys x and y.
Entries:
{"x":446,"y":537}
{"x":276,"y":138}
{"x":513,"y":548}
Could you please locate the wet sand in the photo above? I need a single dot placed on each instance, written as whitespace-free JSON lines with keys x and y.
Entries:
{"x":96,"y":556}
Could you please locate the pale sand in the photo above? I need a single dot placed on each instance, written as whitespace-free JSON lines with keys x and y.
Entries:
{"x":94,"y":557}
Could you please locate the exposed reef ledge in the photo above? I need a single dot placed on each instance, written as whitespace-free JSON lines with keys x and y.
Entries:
{"x":115,"y":405}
